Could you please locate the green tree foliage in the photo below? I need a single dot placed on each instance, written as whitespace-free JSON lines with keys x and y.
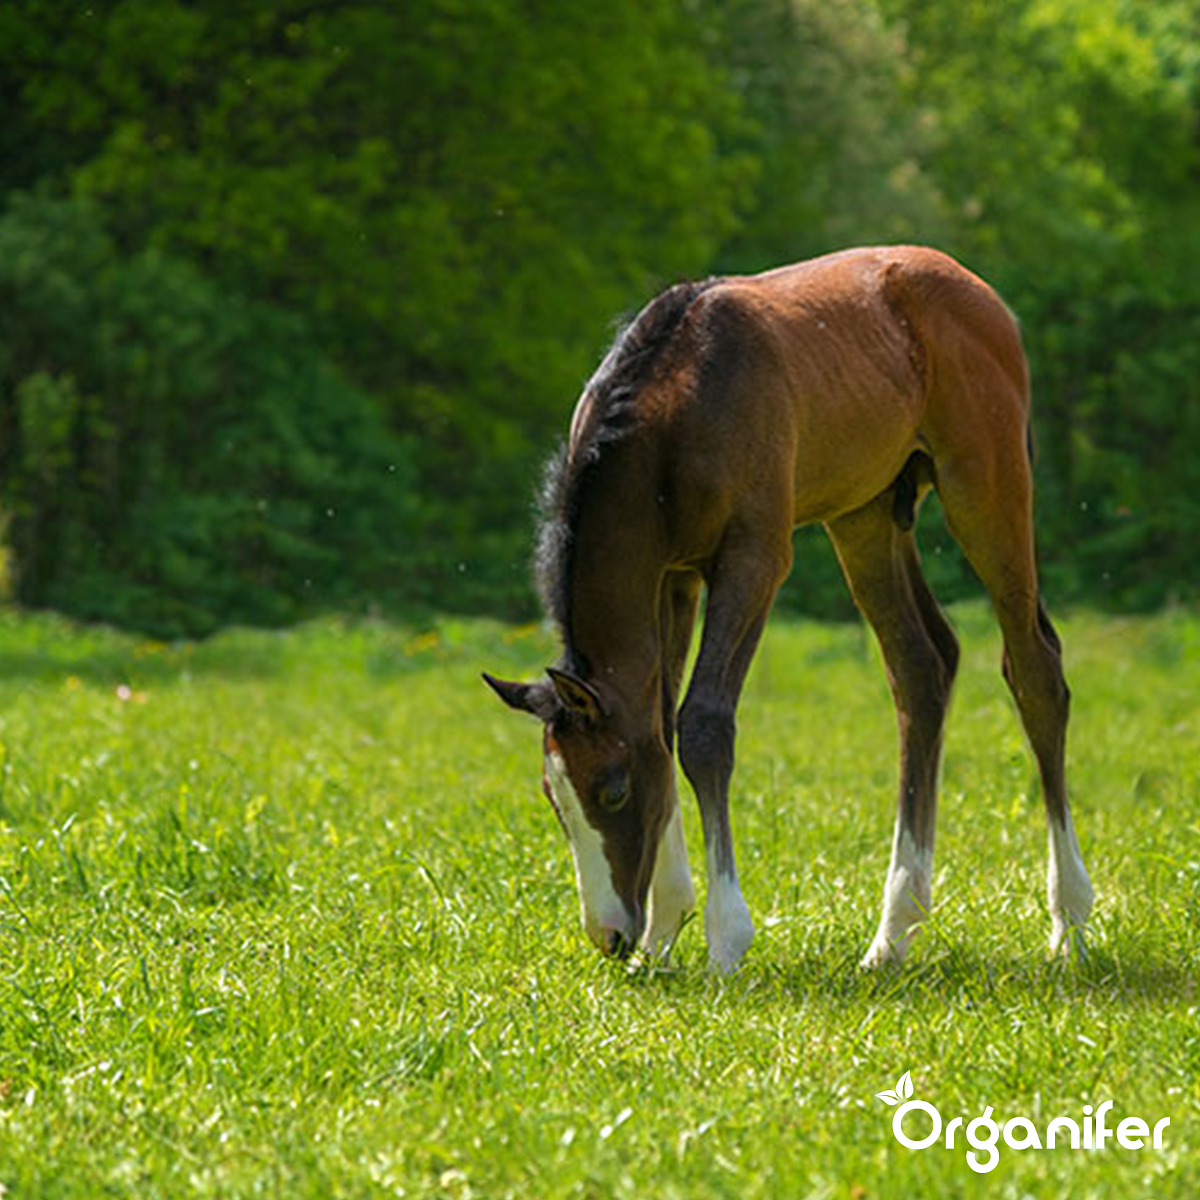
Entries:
{"x":431,"y":212}
{"x":460,"y":196}
{"x":172,"y":457}
{"x":841,"y":162}
{"x":1063,"y":137}
{"x":840,"y":150}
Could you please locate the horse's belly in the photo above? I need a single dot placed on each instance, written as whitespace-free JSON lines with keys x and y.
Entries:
{"x":847,"y":459}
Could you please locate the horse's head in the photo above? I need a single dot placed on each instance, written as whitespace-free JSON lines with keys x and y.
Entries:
{"x":608,"y":781}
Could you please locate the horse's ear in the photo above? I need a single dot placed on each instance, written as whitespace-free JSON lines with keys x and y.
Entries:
{"x":538,"y":699}
{"x":577,"y":696}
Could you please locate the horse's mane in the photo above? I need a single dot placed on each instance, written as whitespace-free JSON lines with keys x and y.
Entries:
{"x":628,"y":365}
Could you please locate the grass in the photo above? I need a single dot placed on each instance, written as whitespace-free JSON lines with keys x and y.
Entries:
{"x":286,"y":915}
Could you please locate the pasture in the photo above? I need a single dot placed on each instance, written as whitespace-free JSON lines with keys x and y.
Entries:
{"x":285,"y":914}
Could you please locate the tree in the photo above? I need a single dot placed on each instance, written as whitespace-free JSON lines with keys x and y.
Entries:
{"x":172,"y":457}
{"x":1063,"y":141}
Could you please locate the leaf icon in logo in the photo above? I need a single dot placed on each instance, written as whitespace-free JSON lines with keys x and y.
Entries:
{"x":904,"y":1089}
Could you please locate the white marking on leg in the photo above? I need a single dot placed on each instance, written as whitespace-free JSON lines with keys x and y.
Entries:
{"x":672,"y":893}
{"x":1068,"y":888}
{"x":601,"y":909}
{"x":727,"y":924}
{"x":907,"y":895}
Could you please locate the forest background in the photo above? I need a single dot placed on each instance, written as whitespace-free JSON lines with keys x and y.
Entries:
{"x":298,"y":296}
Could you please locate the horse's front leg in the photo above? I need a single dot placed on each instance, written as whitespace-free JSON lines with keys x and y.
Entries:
{"x":672,"y":893}
{"x":742,"y":584}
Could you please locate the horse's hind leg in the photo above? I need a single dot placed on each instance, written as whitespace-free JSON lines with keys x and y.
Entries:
{"x":988,"y":503}
{"x":921,"y":654}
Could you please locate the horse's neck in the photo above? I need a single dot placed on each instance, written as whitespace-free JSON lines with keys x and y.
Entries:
{"x":616,"y":576}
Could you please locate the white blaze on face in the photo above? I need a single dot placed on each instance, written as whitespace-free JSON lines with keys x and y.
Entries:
{"x":600,"y":906}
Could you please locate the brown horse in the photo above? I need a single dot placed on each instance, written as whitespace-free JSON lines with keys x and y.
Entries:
{"x":729,"y":412}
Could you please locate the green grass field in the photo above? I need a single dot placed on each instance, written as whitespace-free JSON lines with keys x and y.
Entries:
{"x":286,"y":915}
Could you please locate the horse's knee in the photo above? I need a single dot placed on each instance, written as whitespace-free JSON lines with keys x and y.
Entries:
{"x":938,"y":666}
{"x":924,"y":692}
{"x":942,"y":637}
{"x":1047,"y":630}
{"x":948,"y":649}
{"x":706,"y":735}
{"x":939,"y":631}
{"x":1040,"y":684}
{"x":1062,"y":693}
{"x":1063,"y":697}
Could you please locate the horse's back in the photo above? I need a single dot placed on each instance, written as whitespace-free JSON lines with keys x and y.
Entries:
{"x":804,"y":390}
{"x":908,"y":305}
{"x":810,"y":384}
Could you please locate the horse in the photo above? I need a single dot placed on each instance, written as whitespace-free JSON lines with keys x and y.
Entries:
{"x":837,"y":391}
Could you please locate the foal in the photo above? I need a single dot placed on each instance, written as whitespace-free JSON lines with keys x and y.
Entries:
{"x":730,"y":411}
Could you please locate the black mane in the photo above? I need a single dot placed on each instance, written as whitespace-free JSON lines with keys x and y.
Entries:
{"x":626,"y":368}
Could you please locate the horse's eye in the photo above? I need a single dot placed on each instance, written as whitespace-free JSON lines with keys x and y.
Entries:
{"x":614,"y":792}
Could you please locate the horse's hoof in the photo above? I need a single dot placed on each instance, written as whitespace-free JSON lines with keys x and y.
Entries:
{"x":659,"y":939}
{"x":1068,"y":941}
{"x":730,"y":933}
{"x":723,"y":962}
{"x":884,"y":955}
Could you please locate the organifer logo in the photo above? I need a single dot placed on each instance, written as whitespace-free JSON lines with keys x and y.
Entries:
{"x":1019,"y":1133}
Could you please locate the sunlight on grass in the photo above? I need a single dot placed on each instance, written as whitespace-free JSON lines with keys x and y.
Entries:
{"x":286,"y":914}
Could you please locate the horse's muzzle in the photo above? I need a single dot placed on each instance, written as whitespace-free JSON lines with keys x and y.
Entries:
{"x":616,"y":944}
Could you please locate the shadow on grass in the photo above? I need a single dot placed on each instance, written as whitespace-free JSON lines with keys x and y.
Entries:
{"x":967,"y":977}
{"x":949,"y":976}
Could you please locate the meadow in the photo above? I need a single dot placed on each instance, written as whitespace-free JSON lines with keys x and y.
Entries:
{"x":285,"y":914}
